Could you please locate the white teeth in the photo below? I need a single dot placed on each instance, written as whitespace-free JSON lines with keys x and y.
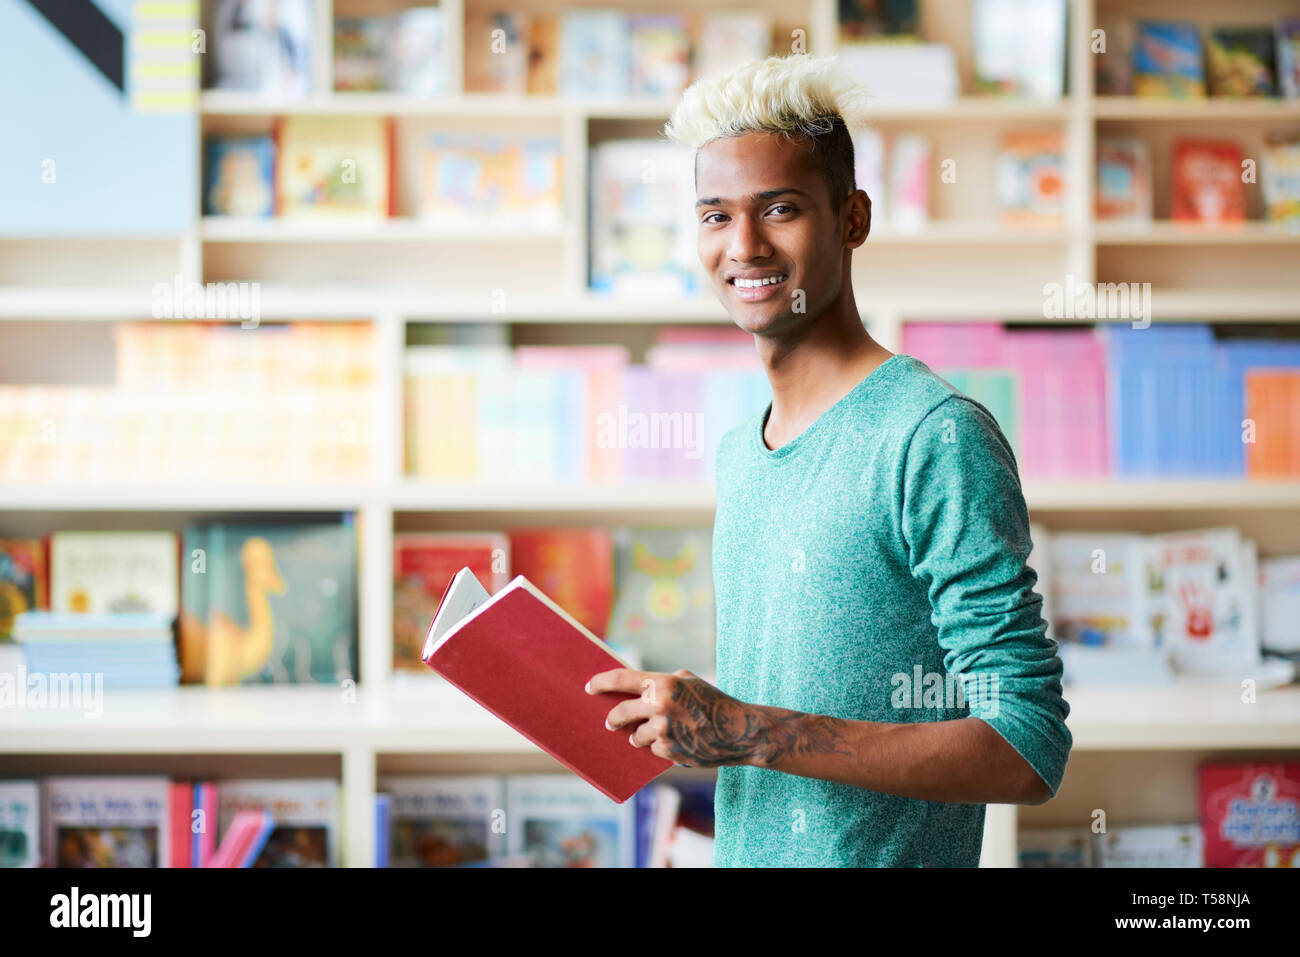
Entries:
{"x":755,"y":283}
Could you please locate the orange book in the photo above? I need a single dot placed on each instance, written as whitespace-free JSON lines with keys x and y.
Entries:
{"x":1273,"y":403}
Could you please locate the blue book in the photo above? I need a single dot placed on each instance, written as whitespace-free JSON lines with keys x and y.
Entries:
{"x":239,"y":177}
{"x":383,"y":804}
{"x":1233,"y":359}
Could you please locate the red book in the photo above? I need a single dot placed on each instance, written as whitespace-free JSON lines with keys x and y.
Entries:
{"x":576,"y":565}
{"x":181,"y":798}
{"x":1207,"y":182}
{"x":523,"y":658}
{"x":1250,"y":813}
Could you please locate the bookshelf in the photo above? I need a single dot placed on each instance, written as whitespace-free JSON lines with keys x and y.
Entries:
{"x":1133,"y":749}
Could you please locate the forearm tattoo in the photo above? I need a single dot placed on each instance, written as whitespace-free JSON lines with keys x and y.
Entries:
{"x":722,"y":730}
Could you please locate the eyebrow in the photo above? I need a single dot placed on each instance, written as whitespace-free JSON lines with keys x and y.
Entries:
{"x":765,"y":195}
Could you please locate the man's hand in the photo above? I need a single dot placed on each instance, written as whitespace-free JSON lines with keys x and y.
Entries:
{"x":682,"y":717}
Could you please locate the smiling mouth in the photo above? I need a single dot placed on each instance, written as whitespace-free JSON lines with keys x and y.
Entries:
{"x":758,"y":283}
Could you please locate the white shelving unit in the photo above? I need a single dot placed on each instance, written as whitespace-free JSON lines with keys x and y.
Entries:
{"x":1135,"y":747}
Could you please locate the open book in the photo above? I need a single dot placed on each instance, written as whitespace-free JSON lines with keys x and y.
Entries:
{"x":523,"y":658}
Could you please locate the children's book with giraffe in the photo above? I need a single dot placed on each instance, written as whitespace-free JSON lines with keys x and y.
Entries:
{"x":269,"y":603}
{"x":526,"y":660}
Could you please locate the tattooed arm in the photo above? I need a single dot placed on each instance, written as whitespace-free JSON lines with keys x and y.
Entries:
{"x":686,"y":720}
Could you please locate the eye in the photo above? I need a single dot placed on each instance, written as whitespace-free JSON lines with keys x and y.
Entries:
{"x":782,"y":206}
{"x":707,"y":217}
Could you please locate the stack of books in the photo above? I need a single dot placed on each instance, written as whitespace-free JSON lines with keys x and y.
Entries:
{"x":121,"y":651}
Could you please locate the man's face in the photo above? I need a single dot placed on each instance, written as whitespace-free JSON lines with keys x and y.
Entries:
{"x":764,"y":211}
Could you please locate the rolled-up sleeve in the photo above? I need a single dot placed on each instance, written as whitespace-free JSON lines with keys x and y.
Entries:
{"x":967,"y":530}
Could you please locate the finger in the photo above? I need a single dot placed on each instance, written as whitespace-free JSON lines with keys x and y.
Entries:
{"x":619,"y":679}
{"x":626,"y":712}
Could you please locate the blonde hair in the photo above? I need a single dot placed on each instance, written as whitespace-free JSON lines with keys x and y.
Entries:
{"x":794,"y":96}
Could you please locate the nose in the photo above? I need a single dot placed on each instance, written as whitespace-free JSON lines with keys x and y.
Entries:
{"x":746,"y":241}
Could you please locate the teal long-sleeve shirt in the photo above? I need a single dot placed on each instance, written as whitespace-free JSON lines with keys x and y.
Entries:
{"x":874,"y":569}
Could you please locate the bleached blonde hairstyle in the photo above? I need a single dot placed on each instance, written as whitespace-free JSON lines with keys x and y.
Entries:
{"x":796,"y":97}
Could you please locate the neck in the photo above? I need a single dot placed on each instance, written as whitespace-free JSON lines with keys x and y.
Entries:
{"x":813,"y":367}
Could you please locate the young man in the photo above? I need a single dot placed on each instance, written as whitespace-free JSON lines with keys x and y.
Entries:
{"x":883,"y":670}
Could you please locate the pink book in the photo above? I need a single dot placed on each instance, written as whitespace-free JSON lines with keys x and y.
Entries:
{"x":244,"y":840}
{"x":1062,"y":401}
{"x":956,"y":345}
{"x":604,"y":366}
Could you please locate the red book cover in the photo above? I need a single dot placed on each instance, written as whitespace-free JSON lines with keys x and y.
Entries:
{"x":181,"y":798}
{"x":1207,"y":182}
{"x":524,"y":659}
{"x":575,"y":566}
{"x":1250,"y":814}
{"x":423,"y":563}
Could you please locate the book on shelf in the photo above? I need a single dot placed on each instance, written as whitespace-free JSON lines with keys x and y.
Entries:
{"x":664,"y":605}
{"x":267,"y":51}
{"x":1207,"y":182}
{"x":1273,"y":413}
{"x":659,"y":54}
{"x":20,"y":816}
{"x":1123,"y":180}
{"x":269,"y":603}
{"x":245,"y":839}
{"x":522,"y":657}
{"x":1164,"y":845}
{"x":595,"y":54}
{"x":1168,"y":60}
{"x":909,"y":182}
{"x":1279,"y":622}
{"x":588,"y":380}
{"x":506,"y":182}
{"x":574,"y":566}
{"x":560,"y":822}
{"x":443,"y":820}
{"x":727,"y":39}
{"x":402,"y":52}
{"x":120,"y":650}
{"x":306,"y":815}
{"x":423,"y":564}
{"x":497,"y":49}
{"x":334,"y":168}
{"x":1113,"y":73}
{"x":1250,"y":812}
{"x":1201,"y":596}
{"x":107,"y":821}
{"x":866,"y":20}
{"x":641,"y":246}
{"x":1054,"y":847}
{"x":1288,"y":57}
{"x":1240,"y":61}
{"x":112,"y":572}
{"x":239,"y":176}
{"x":1019,"y":47}
{"x":1279,"y":179}
{"x":1029,"y":173}
{"x":23,"y":582}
